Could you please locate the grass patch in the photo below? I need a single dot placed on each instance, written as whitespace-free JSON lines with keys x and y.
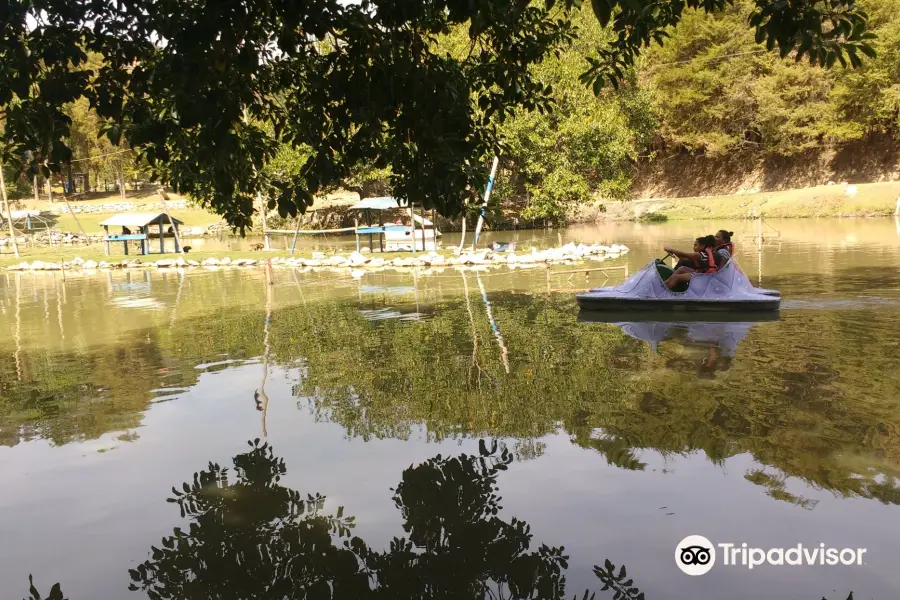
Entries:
{"x":870,"y":200}
{"x":653,"y":217}
{"x":192,"y":217}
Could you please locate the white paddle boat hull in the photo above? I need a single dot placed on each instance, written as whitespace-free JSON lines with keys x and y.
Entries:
{"x":726,"y":290}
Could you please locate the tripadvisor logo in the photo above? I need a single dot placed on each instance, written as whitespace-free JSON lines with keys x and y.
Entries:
{"x":696,"y":555}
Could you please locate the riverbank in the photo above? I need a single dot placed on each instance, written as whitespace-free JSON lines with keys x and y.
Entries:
{"x":837,"y":200}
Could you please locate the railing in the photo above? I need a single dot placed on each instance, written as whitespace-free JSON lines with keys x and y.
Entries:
{"x":587,"y":271}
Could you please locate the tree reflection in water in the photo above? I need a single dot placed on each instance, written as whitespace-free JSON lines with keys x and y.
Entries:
{"x":251,"y":537}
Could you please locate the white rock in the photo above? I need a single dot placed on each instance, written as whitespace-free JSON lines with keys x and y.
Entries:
{"x":78,"y":261}
{"x":210,"y":262}
{"x":52,"y":267}
{"x":357,"y":273}
{"x":318,"y":255}
{"x":356,"y":259}
{"x":312,"y":262}
{"x":376,"y":262}
{"x":90,"y":264}
{"x":249,"y":262}
{"x":37,"y":265}
{"x":225,"y":261}
{"x":103,"y":264}
{"x":193,"y":263}
{"x":165,"y":263}
{"x":181,"y":262}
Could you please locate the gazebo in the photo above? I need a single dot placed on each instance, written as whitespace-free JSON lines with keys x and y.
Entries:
{"x":392,"y":237}
{"x":136,"y":227}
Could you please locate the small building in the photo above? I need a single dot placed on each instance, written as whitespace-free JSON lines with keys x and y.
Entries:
{"x":396,"y":236}
{"x":142,"y":227}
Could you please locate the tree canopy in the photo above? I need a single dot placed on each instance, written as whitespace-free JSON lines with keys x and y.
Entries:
{"x":209,"y":92}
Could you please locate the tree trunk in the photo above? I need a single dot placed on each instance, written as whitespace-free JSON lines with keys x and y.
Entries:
{"x":8,"y":208}
{"x":263,"y":209}
{"x":37,"y":191}
{"x":122,"y":184}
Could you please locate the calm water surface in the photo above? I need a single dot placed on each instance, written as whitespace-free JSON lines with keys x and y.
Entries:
{"x":208,"y":435}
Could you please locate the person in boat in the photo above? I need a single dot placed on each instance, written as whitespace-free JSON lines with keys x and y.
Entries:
{"x":724,"y":248}
{"x":701,"y":260}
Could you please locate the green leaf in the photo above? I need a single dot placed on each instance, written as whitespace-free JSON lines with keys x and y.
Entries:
{"x":867,"y":50}
{"x":602,"y":10}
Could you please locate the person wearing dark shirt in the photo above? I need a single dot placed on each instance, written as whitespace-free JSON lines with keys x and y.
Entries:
{"x":701,"y":260}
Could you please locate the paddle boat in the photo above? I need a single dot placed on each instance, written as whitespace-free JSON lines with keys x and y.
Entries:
{"x":728,"y":289}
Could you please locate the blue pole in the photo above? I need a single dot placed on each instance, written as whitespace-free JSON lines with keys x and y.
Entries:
{"x":487,"y":195}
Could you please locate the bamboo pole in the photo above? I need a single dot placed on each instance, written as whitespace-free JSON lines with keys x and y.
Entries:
{"x":462,"y":239}
{"x":179,"y":249}
{"x":504,"y":352}
{"x":261,"y":393}
{"x":71,"y":212}
{"x":487,"y":196}
{"x":296,"y":234}
{"x":8,"y":208}
{"x":412,"y":226}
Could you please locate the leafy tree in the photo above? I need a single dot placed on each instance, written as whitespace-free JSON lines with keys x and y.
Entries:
{"x":555,"y":161}
{"x":716,"y":93}
{"x":352,"y":82}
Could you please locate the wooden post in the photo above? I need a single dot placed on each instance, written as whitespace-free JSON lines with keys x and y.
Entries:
{"x":381,"y":234}
{"x":356,"y":231}
{"x":37,"y":191}
{"x":263,"y":209}
{"x":162,"y":239}
{"x":424,"y":236}
{"x":412,"y":226}
{"x":106,"y":241}
{"x":369,"y":224}
{"x":125,"y":242}
{"x":8,"y":208}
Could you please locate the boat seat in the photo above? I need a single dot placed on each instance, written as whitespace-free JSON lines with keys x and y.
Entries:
{"x":665,"y":271}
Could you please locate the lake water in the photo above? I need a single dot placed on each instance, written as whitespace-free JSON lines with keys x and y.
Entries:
{"x":505,"y":444}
